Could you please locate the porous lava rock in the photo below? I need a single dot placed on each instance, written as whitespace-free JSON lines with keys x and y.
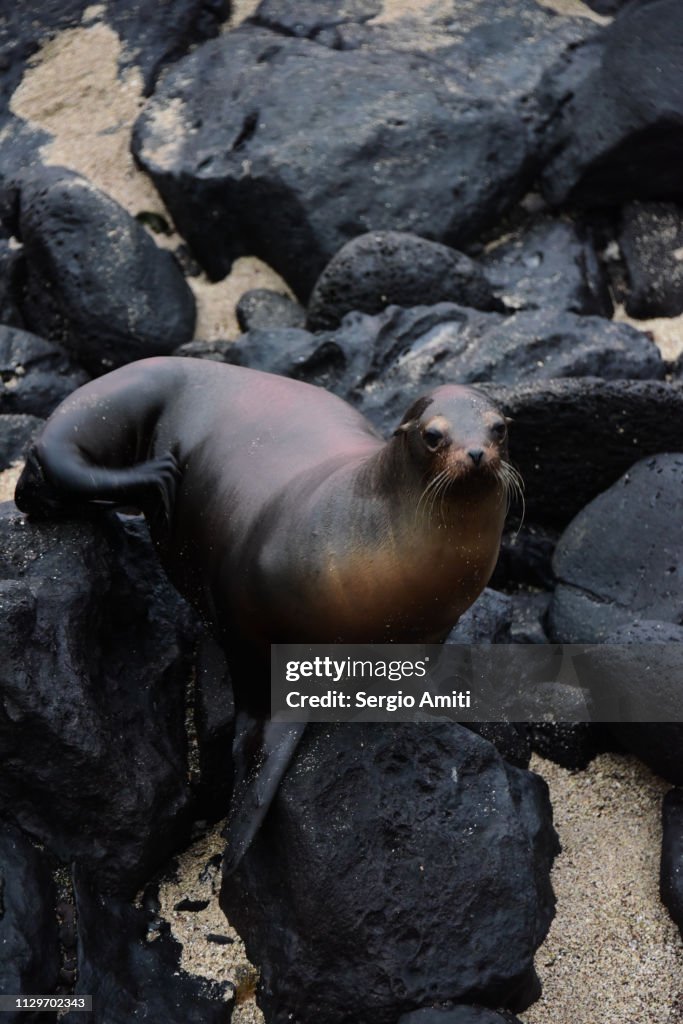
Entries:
{"x":368,"y":824}
{"x":651,"y":244}
{"x":620,"y":133}
{"x":622,"y":557}
{"x":571,"y":439}
{"x":29,"y":963}
{"x":95,"y":280}
{"x":130,"y":964}
{"x":394,"y":268}
{"x":262,"y":308}
{"x":96,"y":652}
{"x":35,"y":375}
{"x":287,"y":148}
{"x":671,"y":867}
{"x":547,"y":264}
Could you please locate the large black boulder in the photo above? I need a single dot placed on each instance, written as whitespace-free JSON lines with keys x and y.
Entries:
{"x":394,"y":268}
{"x":287,"y":148}
{"x":398,"y":867}
{"x":96,"y":282}
{"x":96,"y":658}
{"x":130,"y":964}
{"x":29,"y":948}
{"x":622,"y":557}
{"x":651,"y":244}
{"x":35,"y":375}
{"x":571,"y":439}
{"x":671,"y":868}
{"x":620,"y":133}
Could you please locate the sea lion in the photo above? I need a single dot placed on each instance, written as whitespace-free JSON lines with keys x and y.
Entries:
{"x":278,"y":510}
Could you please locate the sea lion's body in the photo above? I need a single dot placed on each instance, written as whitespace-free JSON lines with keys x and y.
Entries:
{"x":280,"y":513}
{"x":291,"y":519}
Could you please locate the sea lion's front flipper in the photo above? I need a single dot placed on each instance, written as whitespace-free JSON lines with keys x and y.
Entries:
{"x":263,"y":751}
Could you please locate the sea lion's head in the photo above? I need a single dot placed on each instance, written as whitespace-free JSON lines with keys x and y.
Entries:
{"x":458,"y":435}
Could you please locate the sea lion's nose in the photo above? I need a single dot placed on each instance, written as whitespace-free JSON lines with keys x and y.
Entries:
{"x":476,"y":454}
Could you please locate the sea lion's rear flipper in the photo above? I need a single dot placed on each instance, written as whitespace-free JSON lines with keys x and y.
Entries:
{"x":263,"y":751}
{"x":61,"y":480}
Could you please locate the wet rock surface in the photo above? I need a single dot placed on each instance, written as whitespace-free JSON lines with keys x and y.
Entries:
{"x":399,"y":804}
{"x":370,"y":89}
{"x":620,"y":558}
{"x":618,"y":136}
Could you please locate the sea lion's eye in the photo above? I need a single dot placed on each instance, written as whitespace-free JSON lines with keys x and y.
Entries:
{"x":433,"y":437}
{"x":499,"y":430}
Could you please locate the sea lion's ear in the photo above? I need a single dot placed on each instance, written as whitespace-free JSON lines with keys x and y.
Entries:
{"x":404,"y":427}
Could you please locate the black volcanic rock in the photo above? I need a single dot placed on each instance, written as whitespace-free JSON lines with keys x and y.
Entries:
{"x":394,"y":268}
{"x":622,"y":557}
{"x":29,"y":961}
{"x":10,"y":287}
{"x":287,"y":148}
{"x":16,"y":434}
{"x":375,"y":846}
{"x":309,"y":18}
{"x":35,"y":375}
{"x":404,"y":352}
{"x":96,"y":282}
{"x":549,"y":264}
{"x":651,"y":243}
{"x":620,"y":133}
{"x":262,"y":309}
{"x":671,"y":868}
{"x":571,"y":439}
{"x":96,"y":649}
{"x":130,"y":964}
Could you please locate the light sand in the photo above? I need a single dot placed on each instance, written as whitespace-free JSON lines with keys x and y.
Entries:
{"x":613,"y":955}
{"x":666,"y":331}
{"x":8,"y":481}
{"x":199,"y":880}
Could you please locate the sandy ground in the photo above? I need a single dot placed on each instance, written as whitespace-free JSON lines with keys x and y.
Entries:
{"x":8,"y":481}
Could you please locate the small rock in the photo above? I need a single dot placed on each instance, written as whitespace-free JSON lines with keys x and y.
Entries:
{"x":262,"y":308}
{"x":394,"y":268}
{"x":16,"y":434}
{"x":35,"y":375}
{"x":651,"y":244}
